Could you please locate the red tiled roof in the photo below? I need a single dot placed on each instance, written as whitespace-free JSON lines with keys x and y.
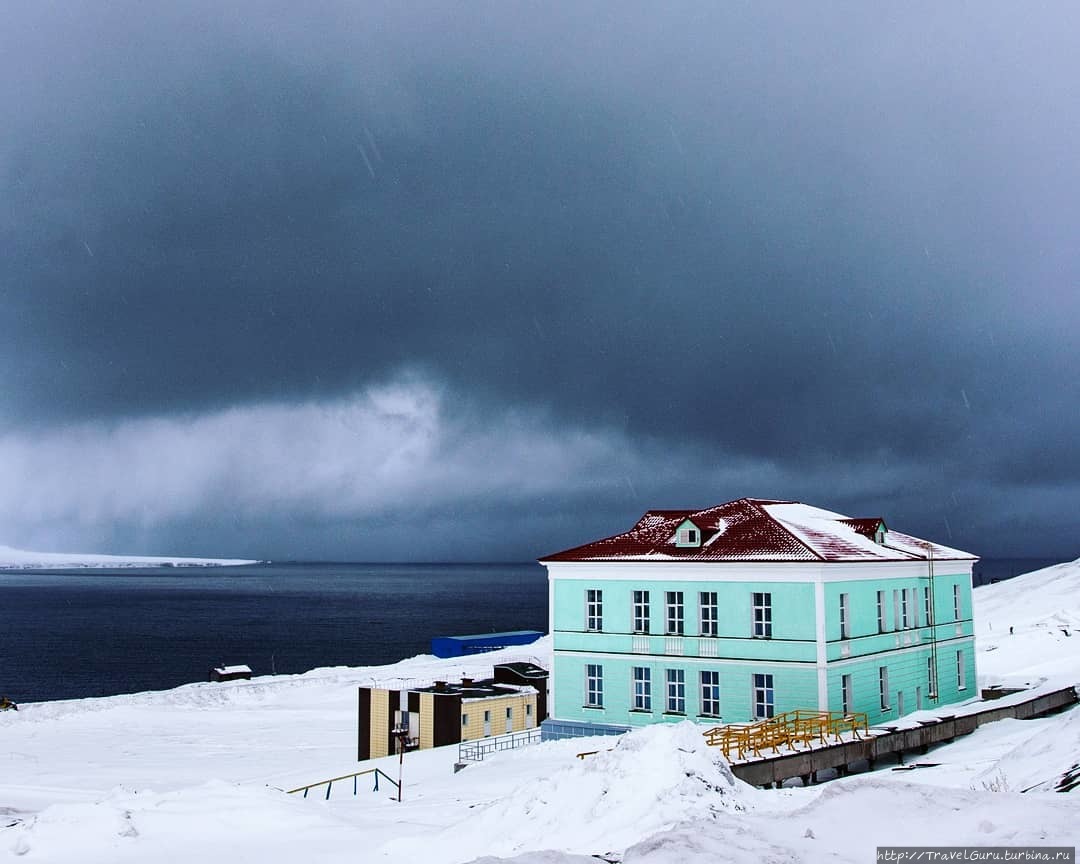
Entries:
{"x":754,"y":529}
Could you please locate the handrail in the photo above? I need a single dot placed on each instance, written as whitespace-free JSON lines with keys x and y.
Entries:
{"x":330,"y":783}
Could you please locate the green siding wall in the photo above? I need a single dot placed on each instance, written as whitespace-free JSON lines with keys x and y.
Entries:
{"x":794,"y":687}
{"x":908,"y":674}
{"x":793,"y":606}
{"x":790,"y":655}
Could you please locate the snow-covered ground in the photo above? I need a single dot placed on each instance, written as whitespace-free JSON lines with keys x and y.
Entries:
{"x":198,"y":773}
{"x":20,"y":559}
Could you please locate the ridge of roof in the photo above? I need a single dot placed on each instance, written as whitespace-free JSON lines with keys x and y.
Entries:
{"x":783,"y":527}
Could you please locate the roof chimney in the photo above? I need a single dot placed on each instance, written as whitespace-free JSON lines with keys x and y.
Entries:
{"x":466,"y":682}
{"x":440,"y":686}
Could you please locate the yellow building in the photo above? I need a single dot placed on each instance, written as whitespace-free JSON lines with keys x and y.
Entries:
{"x":513,"y":700}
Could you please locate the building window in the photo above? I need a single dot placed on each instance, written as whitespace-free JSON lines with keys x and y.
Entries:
{"x":528,"y":710}
{"x":926,"y":605}
{"x":594,"y":609}
{"x":762,"y":620}
{"x":883,"y":686}
{"x":895,"y":609}
{"x":674,"y":610}
{"x":676,"y":691}
{"x":464,"y":720}
{"x":641,"y":611}
{"x":710,"y":694}
{"x":915,"y":608}
{"x":961,"y":671}
{"x":931,"y":676}
{"x":880,"y":611}
{"x":956,"y":602}
{"x":709,"y":614}
{"x":904,"y":608}
{"x":845,"y":693}
{"x":845,"y":624}
{"x":642,"y":688}
{"x":509,"y":713}
{"x":764,"y":702}
{"x":594,"y":686}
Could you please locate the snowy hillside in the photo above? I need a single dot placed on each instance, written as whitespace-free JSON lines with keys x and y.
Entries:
{"x":198,"y":773}
{"x":20,"y":559}
{"x":1043,"y":610}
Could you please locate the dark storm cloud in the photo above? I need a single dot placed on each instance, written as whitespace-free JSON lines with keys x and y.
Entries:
{"x":831,"y":249}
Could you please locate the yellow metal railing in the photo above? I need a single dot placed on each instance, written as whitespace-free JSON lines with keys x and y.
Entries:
{"x":792,"y":730}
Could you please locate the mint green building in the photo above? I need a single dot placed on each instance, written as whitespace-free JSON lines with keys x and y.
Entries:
{"x":753,"y":608}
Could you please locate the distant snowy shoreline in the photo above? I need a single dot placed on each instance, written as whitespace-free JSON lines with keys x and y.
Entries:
{"x":20,"y":559}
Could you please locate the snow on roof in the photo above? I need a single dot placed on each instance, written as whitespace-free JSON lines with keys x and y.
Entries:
{"x":233,"y":670}
{"x":755,"y":529}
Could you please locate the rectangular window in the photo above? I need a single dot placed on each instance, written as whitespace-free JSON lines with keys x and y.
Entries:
{"x":845,"y":624}
{"x":764,"y":702}
{"x":880,"y":611}
{"x":464,"y":719}
{"x":895,"y":609}
{"x":674,"y":616}
{"x":642,"y":688}
{"x":931,"y":676}
{"x":710,"y":694}
{"x":594,"y":686}
{"x":762,"y":619}
{"x":956,"y":602}
{"x":961,"y":671}
{"x":926,"y":605}
{"x":528,"y":710}
{"x":641,"y":611}
{"x":594,"y":609}
{"x":904,"y":608}
{"x":845,"y":693}
{"x":709,"y":614}
{"x":883,"y":686}
{"x":676,"y":691}
{"x":915,"y":608}
{"x":509,"y":713}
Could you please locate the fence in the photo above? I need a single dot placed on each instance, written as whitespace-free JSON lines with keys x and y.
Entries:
{"x":791,"y":729}
{"x":475,"y":751}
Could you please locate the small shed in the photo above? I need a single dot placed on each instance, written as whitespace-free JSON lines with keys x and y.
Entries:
{"x":457,"y":646}
{"x":230,"y":673}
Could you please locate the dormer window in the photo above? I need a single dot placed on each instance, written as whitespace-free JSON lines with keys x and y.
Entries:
{"x":687,"y":535}
{"x":879,"y":534}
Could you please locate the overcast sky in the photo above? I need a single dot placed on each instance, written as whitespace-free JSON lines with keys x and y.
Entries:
{"x":346,"y":280}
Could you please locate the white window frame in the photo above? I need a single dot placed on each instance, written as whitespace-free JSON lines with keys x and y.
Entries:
{"x":956,"y":603}
{"x":931,"y":677}
{"x":883,"y":687}
{"x":674,"y":613}
{"x":845,"y":616}
{"x":895,"y":609}
{"x":641,"y":688}
{"x":845,"y":693}
{"x":764,"y":695}
{"x":926,"y":605}
{"x":594,"y":685}
{"x":961,"y":671}
{"x":761,"y":615}
{"x":710,"y":693}
{"x":915,"y":616}
{"x":594,"y":610}
{"x":641,"y":611}
{"x":676,"y":691}
{"x":905,"y":609}
{"x":708,"y":613}
{"x":882,"y":624}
